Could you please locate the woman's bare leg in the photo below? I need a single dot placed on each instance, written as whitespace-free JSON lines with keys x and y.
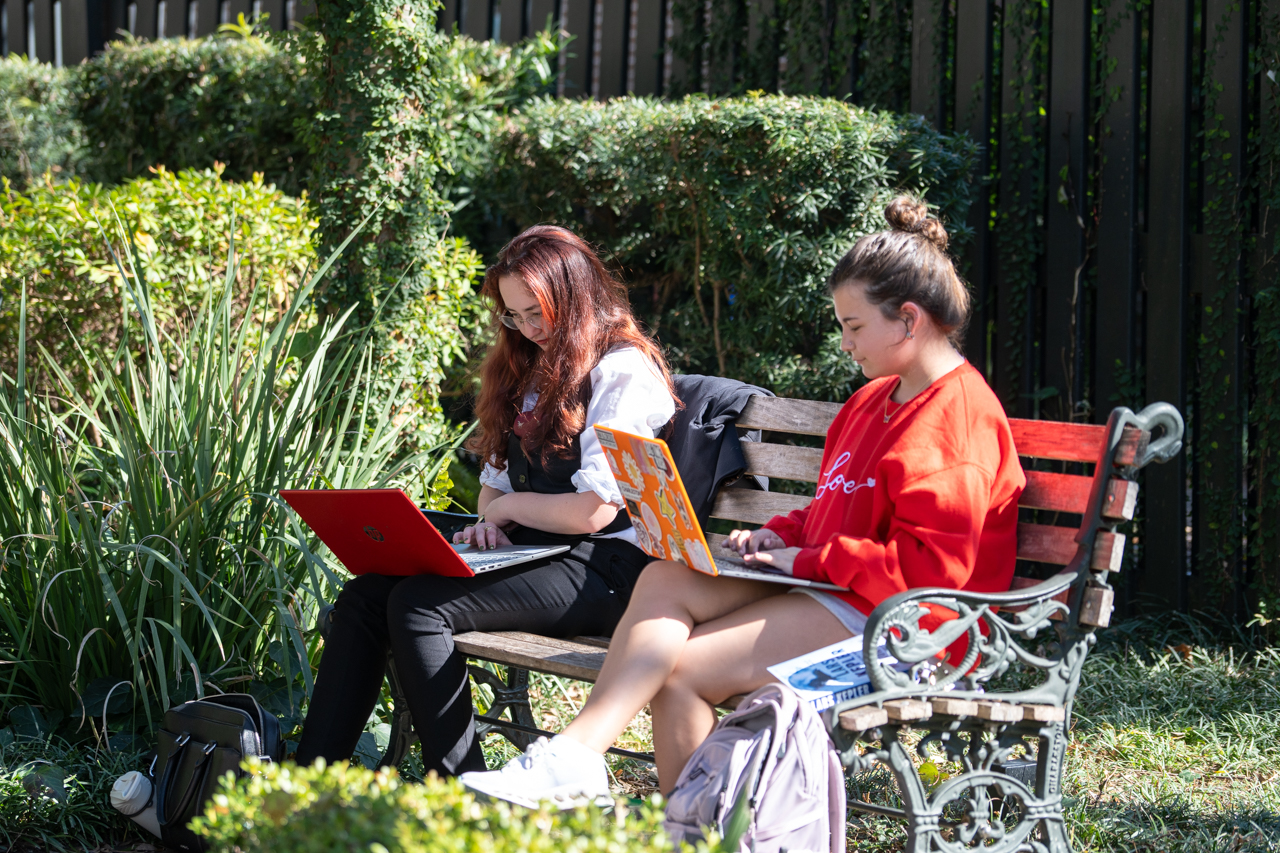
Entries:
{"x":668,"y":601}
{"x":725,"y":657}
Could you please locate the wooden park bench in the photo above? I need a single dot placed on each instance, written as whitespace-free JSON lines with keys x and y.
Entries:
{"x":1043,"y":626}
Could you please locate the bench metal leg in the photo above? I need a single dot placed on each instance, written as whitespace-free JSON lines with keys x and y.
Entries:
{"x":402,"y":734}
{"x":971,"y":810}
{"x":510,"y":696}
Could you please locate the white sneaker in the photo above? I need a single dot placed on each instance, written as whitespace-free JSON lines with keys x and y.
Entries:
{"x":561,"y":770}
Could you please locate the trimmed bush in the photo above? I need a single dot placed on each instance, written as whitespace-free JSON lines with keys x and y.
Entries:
{"x":39,"y":129}
{"x":289,"y":809}
{"x":188,"y":104}
{"x":62,"y":242}
{"x":726,"y":216}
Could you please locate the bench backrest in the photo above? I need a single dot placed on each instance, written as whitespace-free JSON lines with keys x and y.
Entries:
{"x":1052,"y":494}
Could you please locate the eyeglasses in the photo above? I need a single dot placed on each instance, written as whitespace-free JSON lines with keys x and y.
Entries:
{"x":511,"y":321}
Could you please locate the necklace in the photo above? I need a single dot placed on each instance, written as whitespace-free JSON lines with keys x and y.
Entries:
{"x":887,"y":413}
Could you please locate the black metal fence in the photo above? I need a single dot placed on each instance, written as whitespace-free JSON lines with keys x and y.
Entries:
{"x":1125,"y":251}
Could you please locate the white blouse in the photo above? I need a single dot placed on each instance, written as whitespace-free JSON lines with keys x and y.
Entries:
{"x":627,"y":393}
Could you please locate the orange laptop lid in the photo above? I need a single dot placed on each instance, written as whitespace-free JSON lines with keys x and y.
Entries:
{"x":663,"y":518}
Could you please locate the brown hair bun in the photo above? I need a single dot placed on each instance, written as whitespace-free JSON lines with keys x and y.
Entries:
{"x":896,"y":267}
{"x":912,"y":217}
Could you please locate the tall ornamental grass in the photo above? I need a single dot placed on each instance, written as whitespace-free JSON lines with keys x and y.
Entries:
{"x":146,"y":555}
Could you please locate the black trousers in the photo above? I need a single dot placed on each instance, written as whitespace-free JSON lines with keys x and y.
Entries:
{"x":582,"y":591}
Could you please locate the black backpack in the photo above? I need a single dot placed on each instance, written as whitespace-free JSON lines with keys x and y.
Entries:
{"x":199,"y":742}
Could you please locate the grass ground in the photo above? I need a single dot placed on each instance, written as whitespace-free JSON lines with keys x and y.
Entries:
{"x":1175,"y":746}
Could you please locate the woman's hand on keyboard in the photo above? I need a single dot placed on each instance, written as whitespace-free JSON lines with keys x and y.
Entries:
{"x":483,"y":536}
{"x":783,"y":559}
{"x":750,"y":541}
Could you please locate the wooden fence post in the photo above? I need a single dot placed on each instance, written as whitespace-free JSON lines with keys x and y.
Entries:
{"x":1163,"y":577}
{"x":1066,"y":262}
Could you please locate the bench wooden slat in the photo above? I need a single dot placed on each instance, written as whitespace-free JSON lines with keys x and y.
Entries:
{"x":755,"y":507}
{"x":783,"y":461}
{"x":540,"y":654}
{"x":1070,"y":442}
{"x":1044,"y":543}
{"x":782,"y":414}
{"x":1056,"y":492}
{"x":861,"y":719}
{"x":1070,"y":493}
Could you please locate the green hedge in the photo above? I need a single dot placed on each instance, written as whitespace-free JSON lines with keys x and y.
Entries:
{"x":186,"y":104}
{"x":62,"y":242}
{"x":727,"y":215}
{"x":39,"y":130}
{"x":289,"y":809}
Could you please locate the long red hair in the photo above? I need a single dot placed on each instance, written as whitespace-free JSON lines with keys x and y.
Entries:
{"x":586,"y":314}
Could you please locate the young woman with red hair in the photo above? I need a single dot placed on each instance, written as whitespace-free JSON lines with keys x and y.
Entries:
{"x":568,"y":354}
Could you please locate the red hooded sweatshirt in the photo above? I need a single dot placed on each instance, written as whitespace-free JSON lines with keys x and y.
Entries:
{"x":928,"y":498}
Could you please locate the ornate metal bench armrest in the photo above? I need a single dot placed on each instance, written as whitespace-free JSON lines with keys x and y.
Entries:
{"x":896,"y":623}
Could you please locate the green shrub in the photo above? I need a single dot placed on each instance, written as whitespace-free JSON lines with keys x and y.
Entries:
{"x":188,"y":104}
{"x":726,"y":216}
{"x":39,"y":130}
{"x":61,"y":241}
{"x":481,"y":82}
{"x":285,"y":808}
{"x":146,"y":557}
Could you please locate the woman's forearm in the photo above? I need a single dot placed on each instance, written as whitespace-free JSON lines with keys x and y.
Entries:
{"x":584,"y":512}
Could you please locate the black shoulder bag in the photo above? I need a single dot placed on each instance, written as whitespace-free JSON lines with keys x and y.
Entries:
{"x":199,"y":742}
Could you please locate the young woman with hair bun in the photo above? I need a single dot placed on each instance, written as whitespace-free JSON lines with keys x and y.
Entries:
{"x":919,"y":487}
{"x":568,"y":354}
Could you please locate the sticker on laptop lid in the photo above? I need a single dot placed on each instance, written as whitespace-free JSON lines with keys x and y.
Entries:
{"x":606,"y":439}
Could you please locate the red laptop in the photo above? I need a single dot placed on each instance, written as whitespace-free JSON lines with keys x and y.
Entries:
{"x":382,"y":531}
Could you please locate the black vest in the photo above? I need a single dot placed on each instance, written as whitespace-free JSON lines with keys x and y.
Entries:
{"x":555,"y":478}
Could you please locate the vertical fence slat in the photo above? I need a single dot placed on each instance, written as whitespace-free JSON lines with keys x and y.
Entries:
{"x":1116,"y":343}
{"x":1163,"y":574}
{"x":1005,"y":379}
{"x":925,"y":73}
{"x":1118,"y":338}
{"x":974,"y":93}
{"x":613,"y":48}
{"x":1219,"y":564}
{"x":42,"y":10}
{"x":578,"y":16}
{"x":1064,"y":220}
{"x":146,"y":21}
{"x":649,"y":46}
{"x":512,"y":20}
{"x":274,"y":10}
{"x":477,"y":18}
{"x":540,"y":12}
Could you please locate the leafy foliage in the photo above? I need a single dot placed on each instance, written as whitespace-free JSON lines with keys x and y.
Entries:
{"x":284,"y":808}
{"x":39,"y":131}
{"x":147,"y":557}
{"x":188,"y":104}
{"x":378,"y":146}
{"x":61,"y":242}
{"x":728,"y":216}
{"x":53,"y":795}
